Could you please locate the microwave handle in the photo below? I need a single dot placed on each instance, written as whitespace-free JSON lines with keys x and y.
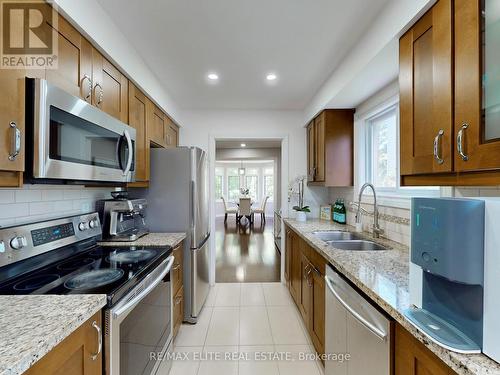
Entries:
{"x":130,"y":152}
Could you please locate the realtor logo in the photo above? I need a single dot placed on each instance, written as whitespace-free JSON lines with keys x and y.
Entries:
{"x":29,"y":35}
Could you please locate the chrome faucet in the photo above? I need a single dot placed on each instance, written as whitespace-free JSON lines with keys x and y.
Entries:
{"x":377,"y":231}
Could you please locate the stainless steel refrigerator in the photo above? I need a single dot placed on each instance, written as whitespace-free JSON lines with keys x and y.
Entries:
{"x":178,"y":201}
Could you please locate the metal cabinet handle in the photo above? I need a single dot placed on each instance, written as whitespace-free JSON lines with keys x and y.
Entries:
{"x":99,"y":340}
{"x":176,"y":267}
{"x":460,"y":146}
{"x":15,"y":141}
{"x":178,"y":300}
{"x":89,"y":92}
{"x":437,"y":147}
{"x":100,"y":97}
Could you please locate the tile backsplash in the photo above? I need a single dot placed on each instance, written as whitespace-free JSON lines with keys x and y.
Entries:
{"x":39,"y":202}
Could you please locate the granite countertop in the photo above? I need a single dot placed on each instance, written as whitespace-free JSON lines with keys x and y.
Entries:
{"x":33,"y":325}
{"x":384,"y":277}
{"x":151,"y":239}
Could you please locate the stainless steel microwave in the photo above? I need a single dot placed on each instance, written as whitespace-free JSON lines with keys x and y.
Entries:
{"x":69,"y":140}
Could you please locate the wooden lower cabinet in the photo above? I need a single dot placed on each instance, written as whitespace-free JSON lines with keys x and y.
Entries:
{"x":288,"y":256}
{"x":177,"y":287}
{"x":73,"y":356}
{"x":413,"y":358}
{"x":178,"y":310}
{"x":307,"y":285}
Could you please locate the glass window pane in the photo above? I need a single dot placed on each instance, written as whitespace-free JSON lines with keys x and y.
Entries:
{"x":269,"y":170}
{"x":251,"y":185}
{"x":384,"y":150}
{"x":269,"y":187}
{"x":218,"y":186}
{"x":233,"y":187}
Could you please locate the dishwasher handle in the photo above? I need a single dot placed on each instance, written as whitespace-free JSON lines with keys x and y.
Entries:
{"x":376,"y":331}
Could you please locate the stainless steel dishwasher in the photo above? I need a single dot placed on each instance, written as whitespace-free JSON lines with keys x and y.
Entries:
{"x":354,"y":327}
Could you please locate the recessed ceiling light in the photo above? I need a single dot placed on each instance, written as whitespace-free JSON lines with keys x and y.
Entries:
{"x":212,"y":77}
{"x":243,"y":145}
{"x":271,"y":77}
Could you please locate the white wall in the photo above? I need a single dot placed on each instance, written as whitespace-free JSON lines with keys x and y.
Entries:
{"x":257,"y":124}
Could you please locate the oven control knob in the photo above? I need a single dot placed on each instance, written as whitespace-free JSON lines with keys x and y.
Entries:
{"x":18,"y":242}
{"x":83,"y":226}
{"x":93,"y":223}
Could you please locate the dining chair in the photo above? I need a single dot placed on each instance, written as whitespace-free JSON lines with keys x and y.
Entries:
{"x":229,"y":210}
{"x":245,"y":209}
{"x":261,"y":210}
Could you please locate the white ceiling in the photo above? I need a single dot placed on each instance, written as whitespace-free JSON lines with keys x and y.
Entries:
{"x":301,"y":41}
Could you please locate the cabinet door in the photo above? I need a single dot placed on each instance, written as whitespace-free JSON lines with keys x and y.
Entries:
{"x":477,"y":85}
{"x":310,"y":151}
{"x":413,"y":358}
{"x":110,"y":91}
{"x":156,"y":125}
{"x":295,"y":277}
{"x":426,"y":93}
{"x":74,"y":66}
{"x":317,"y":315}
{"x":74,"y":354}
{"x":178,"y":310}
{"x":171,"y":134}
{"x":319,"y":148}
{"x":177,"y":268}
{"x":138,"y":120}
{"x":305,"y":289}
{"x":288,"y":250}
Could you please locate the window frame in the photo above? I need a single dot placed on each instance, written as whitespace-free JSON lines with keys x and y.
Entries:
{"x":399,"y":195}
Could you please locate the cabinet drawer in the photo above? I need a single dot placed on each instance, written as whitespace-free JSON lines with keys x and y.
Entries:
{"x":178,"y":310}
{"x":177,"y":269}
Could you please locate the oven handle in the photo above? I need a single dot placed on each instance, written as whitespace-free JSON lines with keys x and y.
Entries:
{"x":147,"y":290}
{"x":130,"y":152}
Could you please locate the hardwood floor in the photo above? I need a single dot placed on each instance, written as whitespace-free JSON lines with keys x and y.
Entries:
{"x":246,"y":254}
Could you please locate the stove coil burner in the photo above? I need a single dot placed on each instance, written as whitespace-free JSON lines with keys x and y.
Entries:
{"x":35,"y":282}
{"x":93,"y":279}
{"x":131,"y":256}
{"x":75,"y":264}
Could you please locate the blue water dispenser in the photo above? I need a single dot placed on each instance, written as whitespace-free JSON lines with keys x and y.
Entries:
{"x":447,"y":247}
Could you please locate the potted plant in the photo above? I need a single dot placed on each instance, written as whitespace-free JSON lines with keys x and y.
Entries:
{"x":299,"y":208}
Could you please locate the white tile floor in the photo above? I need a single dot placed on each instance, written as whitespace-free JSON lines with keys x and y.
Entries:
{"x":243,"y":319}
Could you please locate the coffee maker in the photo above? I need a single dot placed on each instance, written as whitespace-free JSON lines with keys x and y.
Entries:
{"x":122,"y":219}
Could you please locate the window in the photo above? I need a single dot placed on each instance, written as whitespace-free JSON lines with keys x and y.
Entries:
{"x":381,"y":167}
{"x":382,"y":148}
{"x":251,"y":183}
{"x":268,"y":186}
{"x":218,"y":186}
{"x":233,"y":188}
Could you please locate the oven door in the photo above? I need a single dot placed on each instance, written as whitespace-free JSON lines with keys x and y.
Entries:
{"x":73,"y":140}
{"x":138,"y":330}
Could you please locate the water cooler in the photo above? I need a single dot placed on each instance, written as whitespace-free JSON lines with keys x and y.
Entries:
{"x":447,"y":271}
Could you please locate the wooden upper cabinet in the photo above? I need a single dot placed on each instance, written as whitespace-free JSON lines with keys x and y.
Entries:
{"x":477,"y":86}
{"x":330,"y":148}
{"x":75,"y":354}
{"x":311,"y":156}
{"x":426,"y":93}
{"x":137,"y":106}
{"x":74,"y":67}
{"x":156,"y":125}
{"x":319,"y":149}
{"x":171,"y":133}
{"x":110,"y":92}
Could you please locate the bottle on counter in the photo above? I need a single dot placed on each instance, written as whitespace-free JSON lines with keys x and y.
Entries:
{"x":342,"y":214}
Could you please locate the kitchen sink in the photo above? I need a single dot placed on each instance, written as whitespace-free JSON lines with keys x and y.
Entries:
{"x":356,"y":245}
{"x":335,"y":235}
